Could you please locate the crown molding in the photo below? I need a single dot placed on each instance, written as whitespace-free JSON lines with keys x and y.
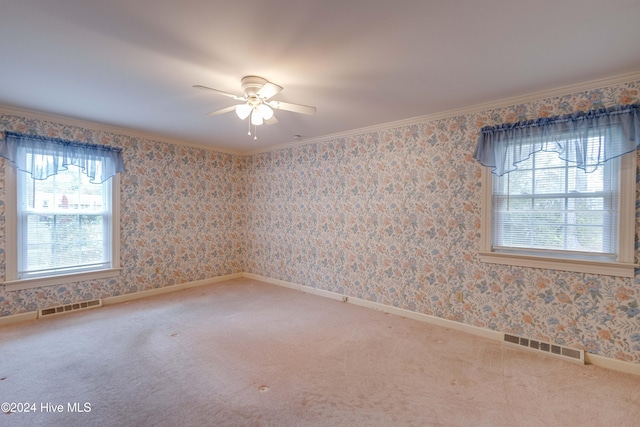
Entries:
{"x":477,"y":108}
{"x":96,"y":126}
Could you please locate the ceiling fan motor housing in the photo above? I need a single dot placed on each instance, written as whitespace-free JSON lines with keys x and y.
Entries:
{"x":252,"y":84}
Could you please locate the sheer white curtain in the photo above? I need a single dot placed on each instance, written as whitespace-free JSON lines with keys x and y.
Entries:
{"x":42,"y":157}
{"x":586,"y":139}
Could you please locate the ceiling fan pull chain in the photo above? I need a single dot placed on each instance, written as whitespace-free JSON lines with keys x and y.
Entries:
{"x":255,"y":133}
{"x":249,"y":131}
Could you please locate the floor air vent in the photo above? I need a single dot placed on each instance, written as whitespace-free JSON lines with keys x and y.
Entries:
{"x":69,"y":307}
{"x":567,"y":353}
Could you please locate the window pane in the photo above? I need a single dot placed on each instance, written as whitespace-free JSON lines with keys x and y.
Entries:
{"x":39,"y":242}
{"x":549,"y":204}
{"x":91,"y":238}
{"x":512,"y":204}
{"x":549,"y":181}
{"x":582,"y":182}
{"x":586,"y":238}
{"x":516,"y":182}
{"x":545,"y":159}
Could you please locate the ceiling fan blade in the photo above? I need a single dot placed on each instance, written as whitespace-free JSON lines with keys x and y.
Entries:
{"x":271,"y":121}
{"x":268,"y":90}
{"x":296,"y":108}
{"x":224,"y":110}
{"x":221,"y":92}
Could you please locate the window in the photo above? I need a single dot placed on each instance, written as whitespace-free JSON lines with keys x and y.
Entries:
{"x":548,"y":213}
{"x":63,"y":227}
{"x":549,"y":204}
{"x":64,"y":224}
{"x":560,"y":193}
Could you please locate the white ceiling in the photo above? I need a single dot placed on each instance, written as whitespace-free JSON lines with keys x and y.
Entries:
{"x":131,"y":64}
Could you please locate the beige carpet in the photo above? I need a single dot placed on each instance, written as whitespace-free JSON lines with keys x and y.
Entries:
{"x":246,"y":353}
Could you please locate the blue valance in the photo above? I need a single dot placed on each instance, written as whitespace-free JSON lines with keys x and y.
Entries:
{"x":42,"y":156}
{"x":585,"y":138}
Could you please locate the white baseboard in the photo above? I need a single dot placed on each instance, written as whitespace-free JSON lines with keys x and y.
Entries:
{"x":32,"y":315}
{"x":290,"y":285}
{"x":18,"y":318}
{"x":612,"y":364}
{"x":173,"y":288}
{"x":592,"y":359}
{"x":450,"y":324}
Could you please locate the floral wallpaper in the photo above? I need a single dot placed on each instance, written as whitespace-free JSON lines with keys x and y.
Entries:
{"x":393,"y":216}
{"x":181,"y":218}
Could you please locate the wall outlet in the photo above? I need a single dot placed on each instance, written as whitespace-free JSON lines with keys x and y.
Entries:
{"x":459,"y":296}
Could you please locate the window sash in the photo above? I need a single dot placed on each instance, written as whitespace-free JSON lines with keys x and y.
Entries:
{"x":504,"y":241}
{"x":24,"y":271}
{"x":623,"y":266}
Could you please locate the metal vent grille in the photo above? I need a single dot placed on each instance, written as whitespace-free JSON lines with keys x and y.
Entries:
{"x":69,"y":307}
{"x":568,"y":353}
{"x":512,"y":339}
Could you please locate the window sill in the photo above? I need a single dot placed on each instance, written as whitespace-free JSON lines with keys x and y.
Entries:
{"x":39,"y":282}
{"x":576,"y":265}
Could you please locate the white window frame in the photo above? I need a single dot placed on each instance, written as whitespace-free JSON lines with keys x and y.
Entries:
{"x":623,"y":265}
{"x":12,"y":283}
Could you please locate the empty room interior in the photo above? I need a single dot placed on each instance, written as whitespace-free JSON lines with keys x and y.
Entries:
{"x":288,"y":213}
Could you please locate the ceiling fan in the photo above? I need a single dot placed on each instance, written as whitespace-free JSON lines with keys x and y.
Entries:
{"x":256,"y":101}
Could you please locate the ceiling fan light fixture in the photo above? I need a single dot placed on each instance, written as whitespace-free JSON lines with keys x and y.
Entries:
{"x":256,"y":118}
{"x":265,"y":111}
{"x":243,"y":111}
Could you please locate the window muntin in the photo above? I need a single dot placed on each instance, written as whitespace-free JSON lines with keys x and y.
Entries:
{"x":64,"y":224}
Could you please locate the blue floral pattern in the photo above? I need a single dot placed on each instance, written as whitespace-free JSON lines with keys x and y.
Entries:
{"x":180,"y":219}
{"x":391,"y":216}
